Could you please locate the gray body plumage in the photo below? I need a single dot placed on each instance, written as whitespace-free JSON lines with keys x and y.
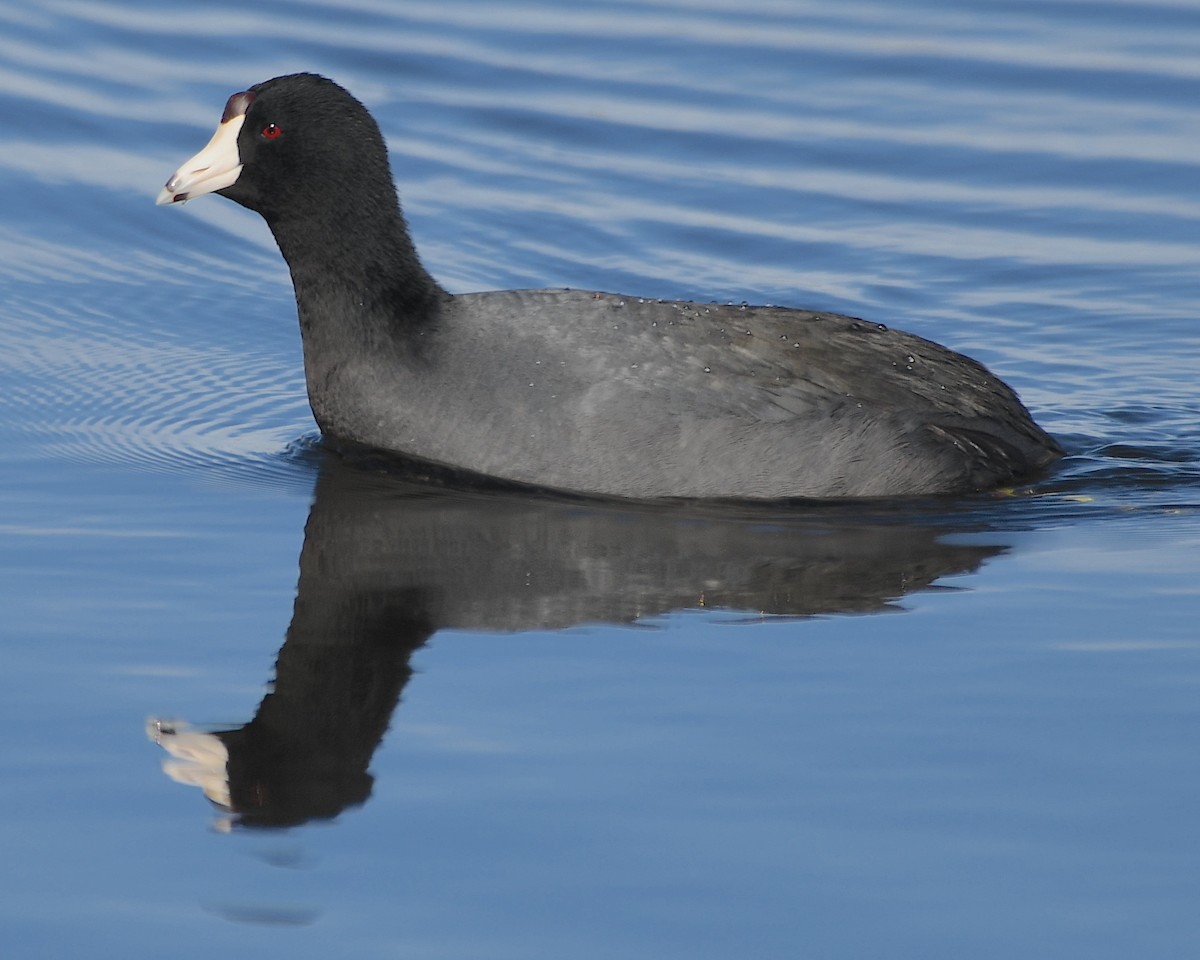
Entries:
{"x":611,"y":395}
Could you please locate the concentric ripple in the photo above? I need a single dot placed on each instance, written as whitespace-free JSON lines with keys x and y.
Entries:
{"x":86,"y":387}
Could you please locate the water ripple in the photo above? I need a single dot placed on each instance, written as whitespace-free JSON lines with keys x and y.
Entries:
{"x":88,"y":389}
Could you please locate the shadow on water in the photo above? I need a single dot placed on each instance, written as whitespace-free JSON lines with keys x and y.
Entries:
{"x":386,"y":564}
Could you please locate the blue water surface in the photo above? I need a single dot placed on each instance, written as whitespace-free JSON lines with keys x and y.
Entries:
{"x":459,"y":725}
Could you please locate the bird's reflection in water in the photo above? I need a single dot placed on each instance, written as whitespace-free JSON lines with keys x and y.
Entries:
{"x":385,"y":564}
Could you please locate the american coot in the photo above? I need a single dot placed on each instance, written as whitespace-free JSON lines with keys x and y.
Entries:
{"x":580,"y":391}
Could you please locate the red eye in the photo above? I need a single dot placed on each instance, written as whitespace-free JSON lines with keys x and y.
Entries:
{"x":271,"y":131}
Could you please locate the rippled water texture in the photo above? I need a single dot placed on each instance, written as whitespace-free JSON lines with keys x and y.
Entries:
{"x":491,"y":726}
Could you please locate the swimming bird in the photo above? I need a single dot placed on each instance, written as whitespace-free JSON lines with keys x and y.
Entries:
{"x":582,"y":391}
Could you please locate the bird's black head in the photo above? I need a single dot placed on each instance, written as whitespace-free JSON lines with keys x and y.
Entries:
{"x":291,"y":147}
{"x":309,"y":158}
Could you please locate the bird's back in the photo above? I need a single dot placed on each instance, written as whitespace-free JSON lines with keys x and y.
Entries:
{"x":623,"y":396}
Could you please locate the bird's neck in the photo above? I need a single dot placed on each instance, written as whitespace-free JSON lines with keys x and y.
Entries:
{"x":356,"y":275}
{"x":368,"y":312}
